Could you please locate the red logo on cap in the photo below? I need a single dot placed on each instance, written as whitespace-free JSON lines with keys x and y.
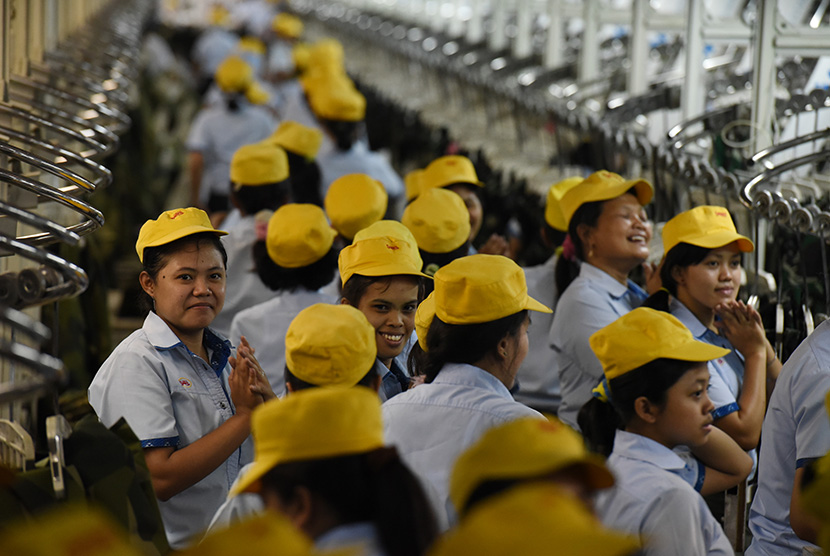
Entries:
{"x":721,"y":213}
{"x":186,"y":383}
{"x":392,"y":247}
{"x":176,"y":214}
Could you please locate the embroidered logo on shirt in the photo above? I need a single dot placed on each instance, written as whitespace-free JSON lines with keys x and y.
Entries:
{"x":185,"y":382}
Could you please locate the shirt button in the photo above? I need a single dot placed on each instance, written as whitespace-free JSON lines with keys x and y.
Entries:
{"x":222,"y":405}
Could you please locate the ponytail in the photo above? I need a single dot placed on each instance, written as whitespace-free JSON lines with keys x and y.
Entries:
{"x":599,"y":421}
{"x":567,"y":267}
{"x":659,"y":301}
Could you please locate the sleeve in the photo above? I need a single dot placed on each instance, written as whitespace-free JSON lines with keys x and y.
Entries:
{"x":237,"y":508}
{"x":693,"y":471}
{"x":197,"y":136}
{"x":722,"y":398}
{"x":134,"y":387}
{"x":812,"y":427}
{"x":672,"y":525}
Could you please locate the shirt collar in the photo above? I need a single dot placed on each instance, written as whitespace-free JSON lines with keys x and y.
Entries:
{"x":688,"y":318}
{"x":348,"y":535}
{"x":470,"y":375}
{"x":603,"y":279}
{"x":638,"y":447}
{"x":162,"y":338}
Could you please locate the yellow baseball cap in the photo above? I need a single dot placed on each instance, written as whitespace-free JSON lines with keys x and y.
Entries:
{"x":526,"y":448}
{"x":300,"y":54}
{"x":353,"y":202}
{"x":258,"y":164}
{"x":643,"y":335}
{"x":386,"y":248}
{"x":705,"y":226}
{"x":259,"y":534}
{"x":298,"y":235}
{"x":553,"y":210}
{"x":252,"y":44}
{"x":533,"y":520}
{"x":412,"y":183}
{"x":287,"y":25}
{"x":423,"y":319}
{"x":481,"y":288}
{"x":297,"y":138}
{"x":439,"y":221}
{"x":234,"y":74}
{"x":330,"y":345}
{"x":448,"y":170}
{"x":256,"y":94}
{"x":312,"y":424}
{"x":602,"y":186}
{"x":172,"y":225}
{"x":342,"y":104}
{"x":326,"y":52}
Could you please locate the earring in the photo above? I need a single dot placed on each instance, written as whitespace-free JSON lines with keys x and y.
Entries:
{"x":591,"y":251}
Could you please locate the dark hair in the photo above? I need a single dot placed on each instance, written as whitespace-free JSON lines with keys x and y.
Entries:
{"x":156,"y":257}
{"x":344,"y":133}
{"x":486,"y":490}
{"x":374,"y":486}
{"x":566,"y":271}
{"x":416,"y":360}
{"x":357,"y":284}
{"x":311,"y":277}
{"x":600,"y":420}
{"x":232,"y":101}
{"x":434,"y":261}
{"x":269,"y":196}
{"x":298,"y":384}
{"x":466,"y":343}
{"x":305,"y":179}
{"x":682,"y":255}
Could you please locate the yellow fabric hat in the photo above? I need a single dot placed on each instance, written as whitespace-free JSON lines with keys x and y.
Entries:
{"x":706,"y":226}
{"x":219,"y":15}
{"x":603,"y":186}
{"x":383,"y":228}
{"x":256,"y":94}
{"x":643,"y":335}
{"x":526,"y":448}
{"x":172,"y":225}
{"x":234,"y":75}
{"x":330,"y":345}
{"x":553,"y":210}
{"x":326,"y":52}
{"x":312,"y":424}
{"x":481,"y":288}
{"x":259,"y":534}
{"x":341,"y":104}
{"x":423,"y":319}
{"x":258,"y":164}
{"x":287,"y":25}
{"x":448,"y":170}
{"x":252,"y":44}
{"x":439,"y":221}
{"x":412,"y":183}
{"x":533,"y":520}
{"x":298,"y":235}
{"x":353,"y":202}
{"x":297,"y":138}
{"x":386,"y":248}
{"x":300,"y":54}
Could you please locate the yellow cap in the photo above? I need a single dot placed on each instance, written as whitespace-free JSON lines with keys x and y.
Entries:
{"x":602,"y":186}
{"x":330,"y":345}
{"x":481,"y":288}
{"x":448,"y":170}
{"x":526,"y":448}
{"x":533,"y":520}
{"x":353,"y":202}
{"x":341,"y":104}
{"x":326,"y":52}
{"x":706,"y":226}
{"x":312,"y":424}
{"x":423,"y":319}
{"x":386,"y":248}
{"x":234,"y":75}
{"x":172,"y":225}
{"x":412,"y":183}
{"x":259,"y":534}
{"x":256,"y":94}
{"x":300,"y":54}
{"x":643,"y":335}
{"x":297,"y":138}
{"x":553,"y":210}
{"x":439,"y":221}
{"x":219,"y":15}
{"x":252,"y":44}
{"x":287,"y":25}
{"x":298,"y":235}
{"x":258,"y":164}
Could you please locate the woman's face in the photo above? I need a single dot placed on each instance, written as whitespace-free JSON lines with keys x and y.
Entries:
{"x":686,"y":418}
{"x":621,"y":235}
{"x":473,"y":204}
{"x":390,"y":307}
{"x":713,"y":280}
{"x":189,"y":290}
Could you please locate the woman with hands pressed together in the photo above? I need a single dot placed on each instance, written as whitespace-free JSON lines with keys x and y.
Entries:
{"x":172,"y":379}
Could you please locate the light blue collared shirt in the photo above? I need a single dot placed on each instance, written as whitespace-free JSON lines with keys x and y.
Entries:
{"x":359,"y":160}
{"x":360,"y":539}
{"x":795,"y":432}
{"x":433,"y":423}
{"x":592,"y":301}
{"x":172,"y":397}
{"x":651,"y":500}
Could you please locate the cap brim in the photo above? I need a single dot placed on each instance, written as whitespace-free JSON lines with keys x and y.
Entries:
{"x":696,"y":351}
{"x":722,"y":239}
{"x":250,"y":481}
{"x":644,"y":190}
{"x":533,"y":305}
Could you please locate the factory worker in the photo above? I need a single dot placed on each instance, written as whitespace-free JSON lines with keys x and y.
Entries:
{"x":301,"y":143}
{"x":287,"y":30}
{"x":172,"y":380}
{"x":608,"y":233}
{"x":354,"y":202}
{"x":259,"y":182}
{"x":211,"y":47}
{"x":475,"y":345}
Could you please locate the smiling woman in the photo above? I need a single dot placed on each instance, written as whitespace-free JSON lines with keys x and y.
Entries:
{"x":172,"y":379}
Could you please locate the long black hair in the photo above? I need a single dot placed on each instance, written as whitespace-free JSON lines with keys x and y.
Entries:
{"x":567,"y":270}
{"x":305,"y":179}
{"x":682,"y":255}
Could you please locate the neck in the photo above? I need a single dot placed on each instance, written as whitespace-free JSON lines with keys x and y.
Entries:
{"x":617,"y":270}
{"x":386,"y":362}
{"x":638,"y":426}
{"x":706,"y":315}
{"x":495,"y":367}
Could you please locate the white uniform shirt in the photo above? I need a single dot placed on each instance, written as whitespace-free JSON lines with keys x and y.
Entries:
{"x":538,"y":379}
{"x":359,"y":160}
{"x":171,"y":397}
{"x":359,"y":539}
{"x":243,"y":287}
{"x":265,"y":325}
{"x":592,"y":301}
{"x":217,"y":133}
{"x":649,"y":499}
{"x":433,"y":423}
{"x":211,"y":49}
{"x":796,"y":431}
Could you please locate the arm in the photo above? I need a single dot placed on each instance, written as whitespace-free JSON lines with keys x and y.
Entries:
{"x":726,"y":464}
{"x":195,"y":164}
{"x":804,"y":524}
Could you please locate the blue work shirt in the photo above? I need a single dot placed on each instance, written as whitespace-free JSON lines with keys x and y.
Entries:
{"x":393,"y":380}
{"x":592,"y":301}
{"x":171,"y":397}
